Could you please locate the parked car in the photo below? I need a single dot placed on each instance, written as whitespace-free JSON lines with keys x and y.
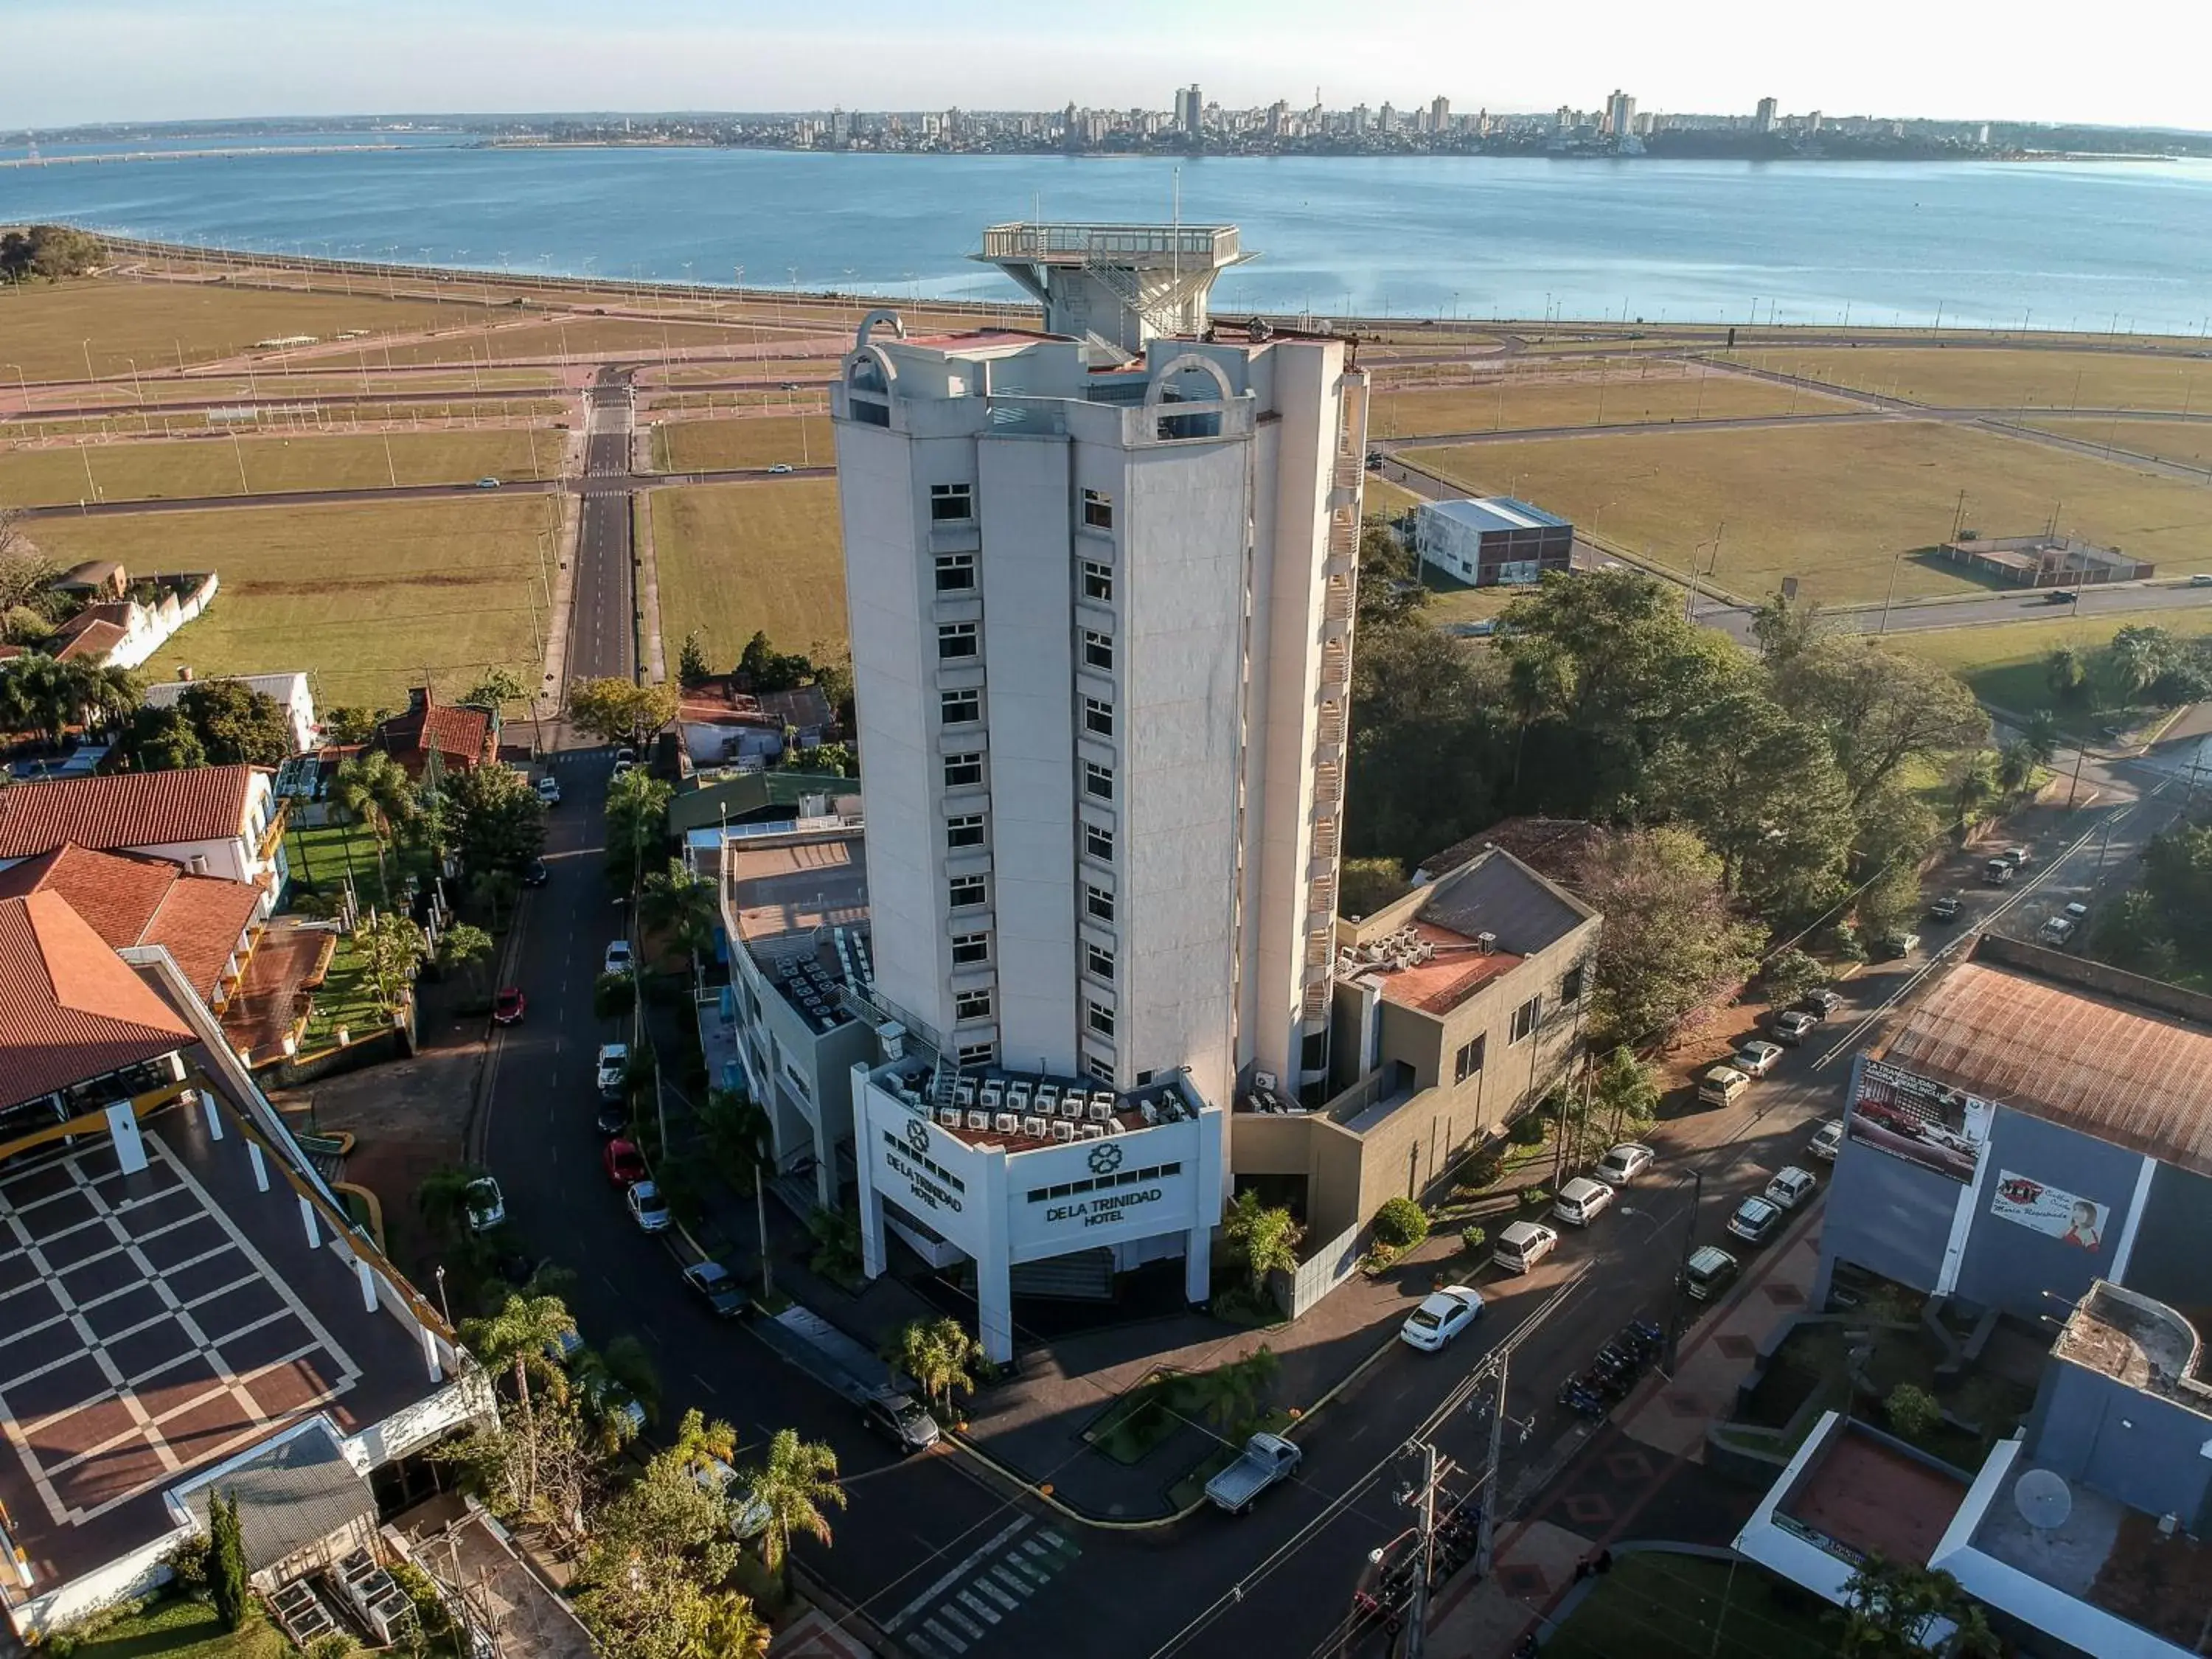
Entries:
{"x":647,"y":1207}
{"x":614,"y":1069}
{"x":536,"y":875}
{"x":2060,"y":595}
{"x":1267,"y":1459}
{"x":2078,"y":911}
{"x":508,"y":1006}
{"x":900,"y":1418}
{"x":625,"y":756}
{"x":1581,"y":1200}
{"x":2057,"y":931}
{"x":1792,"y":1026}
{"x":549,"y":790}
{"x":1998,"y":871}
{"x":1757,"y":1058}
{"x":483,"y":1204}
{"x":1523,"y":1245}
{"x":624,"y":1162}
{"x":1625,"y":1162}
{"x":613,"y":1120}
{"x":1827,"y":1140}
{"x":715,"y":1285}
{"x":1945,"y":908}
{"x":623,"y":765}
{"x":1821,"y":1001}
{"x":1721,"y":1085}
{"x":1898,"y":945}
{"x":1707,"y":1273}
{"x":2202,"y":579}
{"x":748,"y":1514}
{"x":2016,"y":856}
{"x":1790,"y":1186}
{"x":1754,"y":1221}
{"x":618,"y":957}
{"x":1441,"y":1315}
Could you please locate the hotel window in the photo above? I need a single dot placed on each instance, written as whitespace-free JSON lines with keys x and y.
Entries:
{"x":963,"y":771}
{"x":970,"y":950}
{"x":966,"y":830}
{"x":1098,"y":781}
{"x":1097,"y":717}
{"x":955,"y":641}
{"x":1101,"y":1069}
{"x":971,"y":1004}
{"x":1098,"y":961}
{"x":951,"y":502}
{"x":1097,"y":581}
{"x":956,"y":572}
{"x":978,"y":1053}
{"x":1097,"y":510}
{"x":1570,"y":984}
{"x":1098,"y":903}
{"x":1098,"y":651}
{"x":1526,"y":1017}
{"x":1099,"y":1017}
{"x":965,"y":891}
{"x":1468,"y":1061}
{"x":962,"y":707}
{"x":1098,"y":842}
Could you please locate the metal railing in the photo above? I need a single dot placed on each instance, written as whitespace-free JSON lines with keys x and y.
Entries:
{"x":1024,"y":241}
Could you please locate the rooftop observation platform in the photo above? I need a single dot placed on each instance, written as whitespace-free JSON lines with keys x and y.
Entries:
{"x":1022,"y":1111}
{"x":1133,"y":246}
{"x":799,"y":903}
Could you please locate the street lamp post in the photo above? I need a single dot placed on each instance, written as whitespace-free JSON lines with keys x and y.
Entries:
{"x":1682,"y":1268}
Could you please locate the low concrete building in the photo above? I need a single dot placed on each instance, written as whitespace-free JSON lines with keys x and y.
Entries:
{"x":290,"y":692}
{"x":717,"y":800}
{"x":122,"y":629}
{"x":1494,"y":541}
{"x":1458,"y":1007}
{"x":2048,"y":561}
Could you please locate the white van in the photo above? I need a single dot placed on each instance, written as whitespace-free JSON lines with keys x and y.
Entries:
{"x":1582,"y":1200}
{"x":1523,"y":1245}
{"x":1720,"y":1086}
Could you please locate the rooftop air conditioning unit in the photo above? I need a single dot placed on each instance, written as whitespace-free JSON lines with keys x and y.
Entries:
{"x":1264,"y":1080}
{"x":1035,"y":1127}
{"x":1100,"y":1111}
{"x":1062,"y":1130}
{"x":891,"y":1041}
{"x":1485,"y":941}
{"x":979,"y":1120}
{"x":1005,"y":1122}
{"x":949,"y":1116}
{"x":1092,"y":1131}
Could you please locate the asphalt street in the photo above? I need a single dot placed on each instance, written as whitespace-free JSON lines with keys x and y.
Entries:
{"x":602,"y":631}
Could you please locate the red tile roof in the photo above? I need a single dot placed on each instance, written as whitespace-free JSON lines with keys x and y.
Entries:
{"x":125,"y":809}
{"x":458,"y":732}
{"x":94,"y":640}
{"x":71,"y":1009}
{"x":133,"y":899}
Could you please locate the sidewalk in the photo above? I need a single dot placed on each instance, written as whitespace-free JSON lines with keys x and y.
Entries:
{"x":1643,"y":1476}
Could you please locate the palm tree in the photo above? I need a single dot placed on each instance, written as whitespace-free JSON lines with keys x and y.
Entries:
{"x":607,"y":1376}
{"x":682,"y":903}
{"x":937,"y":1354}
{"x":736,"y":1130}
{"x":524,"y":1336}
{"x":700,"y":1438}
{"x":374,"y":789}
{"x":799,"y":1477}
{"x":2040,"y":735}
{"x":1267,"y":1238}
{"x":727,"y":1627}
{"x":2015,"y":768}
{"x":1235,"y":1394}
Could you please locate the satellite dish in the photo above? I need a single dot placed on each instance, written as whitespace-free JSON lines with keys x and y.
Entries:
{"x":2043,"y":1499}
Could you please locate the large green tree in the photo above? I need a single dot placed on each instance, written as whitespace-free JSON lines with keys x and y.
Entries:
{"x":637,"y":823}
{"x":1881,"y":709}
{"x":649,"y":1587}
{"x":495,"y":819}
{"x":1672,"y":945}
{"x":1888,"y":1606}
{"x":618,"y":710}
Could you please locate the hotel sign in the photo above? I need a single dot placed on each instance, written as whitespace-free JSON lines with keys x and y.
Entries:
{"x":1106,"y":1210}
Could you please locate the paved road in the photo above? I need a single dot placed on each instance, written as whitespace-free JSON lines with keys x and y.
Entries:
{"x":602,"y":631}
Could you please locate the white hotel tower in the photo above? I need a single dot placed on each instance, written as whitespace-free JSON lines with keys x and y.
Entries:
{"x":1102,"y":584}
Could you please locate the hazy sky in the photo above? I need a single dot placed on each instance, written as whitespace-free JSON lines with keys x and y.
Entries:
{"x":68,"y":61}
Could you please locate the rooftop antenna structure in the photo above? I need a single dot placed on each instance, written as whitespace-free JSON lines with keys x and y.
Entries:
{"x":1117,"y":286}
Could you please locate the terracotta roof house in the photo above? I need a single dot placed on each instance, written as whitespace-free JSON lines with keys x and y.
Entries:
{"x":211,"y":820}
{"x":123,"y":630}
{"x":99,"y":578}
{"x":208,"y":924}
{"x":92,"y":640}
{"x":70,"y":1008}
{"x":463,"y":736}
{"x":1554,"y":847}
{"x":722,"y":725}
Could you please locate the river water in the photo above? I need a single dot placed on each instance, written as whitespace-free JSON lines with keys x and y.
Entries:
{"x":2084,"y":245}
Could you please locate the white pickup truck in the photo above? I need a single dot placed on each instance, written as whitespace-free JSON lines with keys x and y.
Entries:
{"x":1267,"y":1459}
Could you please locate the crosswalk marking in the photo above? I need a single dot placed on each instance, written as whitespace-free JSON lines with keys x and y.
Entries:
{"x":1031,"y":1574}
{"x":1011,"y":1582}
{"x":968,"y":1599}
{"x":974,"y":1630}
{"x":941,"y":1636}
{"x":957,"y":1615}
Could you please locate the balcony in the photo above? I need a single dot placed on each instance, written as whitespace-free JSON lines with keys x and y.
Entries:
{"x":1110,"y":243}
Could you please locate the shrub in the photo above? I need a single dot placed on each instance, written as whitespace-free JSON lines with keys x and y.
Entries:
{"x":1400,"y":1223}
{"x":613,"y":995}
{"x":1472,"y":1239}
{"x":1528,"y":1129}
{"x":1535,"y":1198}
{"x":189,"y":1562}
{"x":430,"y":1609}
{"x":226,"y":1578}
{"x":1379,"y":1259}
{"x":1912,"y":1412}
{"x":332,"y":1644}
{"x":1483,"y":1170}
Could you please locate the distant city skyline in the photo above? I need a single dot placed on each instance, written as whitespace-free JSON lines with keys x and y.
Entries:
{"x":77,"y":62}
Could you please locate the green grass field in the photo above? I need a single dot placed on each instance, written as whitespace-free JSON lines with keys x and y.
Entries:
{"x":2189,"y":442}
{"x":181,"y":468}
{"x":178,"y":1628}
{"x":1834,"y":506}
{"x":1381,"y":495}
{"x":1997,"y":378}
{"x":46,"y":328}
{"x":1618,"y":400}
{"x":738,"y":558}
{"x":2004,"y":664}
{"x":368,"y":597}
{"x":754,"y":441}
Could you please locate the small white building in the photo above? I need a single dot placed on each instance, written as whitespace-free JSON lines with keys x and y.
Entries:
{"x":1013,"y":1168}
{"x":1494,"y":541}
{"x":290,"y":692}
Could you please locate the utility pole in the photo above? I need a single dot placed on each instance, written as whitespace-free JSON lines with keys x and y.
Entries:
{"x":1417,"y":1617}
{"x":1487,"y":1492}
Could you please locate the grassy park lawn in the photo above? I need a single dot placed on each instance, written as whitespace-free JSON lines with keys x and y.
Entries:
{"x":1618,"y":400}
{"x":1662,"y":1605}
{"x":753,"y":440}
{"x":2003,"y":664}
{"x":1834,"y":506}
{"x":738,"y":558}
{"x":1451,"y":602}
{"x":180,"y":468}
{"x":368,"y":596}
{"x":178,"y":1628}
{"x":1994,"y":378}
{"x":47,"y":327}
{"x":567,"y":336}
{"x":1381,"y":495}
{"x":2189,"y":442}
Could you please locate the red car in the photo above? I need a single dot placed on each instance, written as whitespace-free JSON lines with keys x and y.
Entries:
{"x":625,"y":1169}
{"x":507,"y":1007}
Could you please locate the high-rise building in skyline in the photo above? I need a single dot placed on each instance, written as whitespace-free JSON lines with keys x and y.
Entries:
{"x":1101,"y":584}
{"x":1764,"y":121}
{"x":1190,"y":111}
{"x":1439,"y":113}
{"x":1620,"y":114}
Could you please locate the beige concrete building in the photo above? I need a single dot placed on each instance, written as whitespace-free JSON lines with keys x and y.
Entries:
{"x":1456,"y":1008}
